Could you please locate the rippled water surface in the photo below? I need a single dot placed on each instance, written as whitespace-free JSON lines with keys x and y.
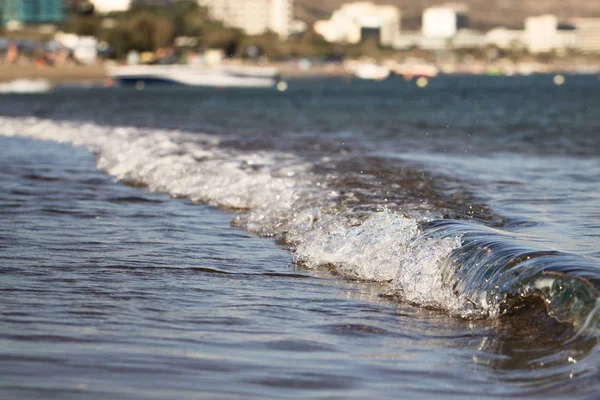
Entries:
{"x":338,"y":240}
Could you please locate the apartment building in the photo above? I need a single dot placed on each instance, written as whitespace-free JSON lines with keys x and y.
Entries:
{"x":444,"y":21}
{"x":254,"y":17}
{"x":358,"y":21}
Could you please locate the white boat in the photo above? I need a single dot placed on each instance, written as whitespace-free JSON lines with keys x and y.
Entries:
{"x":410,"y":70}
{"x":26,"y":86}
{"x":368,"y":70}
{"x":195,"y":75}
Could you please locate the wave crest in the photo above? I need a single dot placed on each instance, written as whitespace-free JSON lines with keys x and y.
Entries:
{"x":463,"y":267}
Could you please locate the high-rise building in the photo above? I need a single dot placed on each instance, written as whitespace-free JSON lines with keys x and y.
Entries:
{"x":254,"y":17}
{"x":31,"y":11}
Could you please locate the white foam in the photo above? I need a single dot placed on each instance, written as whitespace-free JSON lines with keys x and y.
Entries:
{"x":267,"y":184}
{"x":385,"y":247}
{"x":280,"y":195}
{"x":420,"y":278}
{"x":370,"y":251}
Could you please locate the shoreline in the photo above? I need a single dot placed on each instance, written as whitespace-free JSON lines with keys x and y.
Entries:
{"x":98,"y":73}
{"x":54,"y":75}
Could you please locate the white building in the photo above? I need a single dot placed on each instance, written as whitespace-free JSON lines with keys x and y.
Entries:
{"x":106,"y":6}
{"x":297,"y":26}
{"x":354,"y":21}
{"x":587,"y":31}
{"x":254,"y":17}
{"x":541,"y":33}
{"x":444,"y":21}
{"x":338,"y":29}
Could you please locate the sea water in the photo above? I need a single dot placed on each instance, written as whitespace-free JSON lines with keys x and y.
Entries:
{"x":342,"y":239}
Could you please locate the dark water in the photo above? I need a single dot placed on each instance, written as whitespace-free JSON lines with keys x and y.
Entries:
{"x":439,"y":242}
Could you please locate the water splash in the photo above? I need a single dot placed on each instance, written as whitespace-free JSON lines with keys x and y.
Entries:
{"x":462,"y":267}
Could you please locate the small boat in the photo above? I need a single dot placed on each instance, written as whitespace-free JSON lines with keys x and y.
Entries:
{"x":412,"y":70}
{"x":368,"y":70}
{"x":194,"y":75}
{"x":26,"y":86}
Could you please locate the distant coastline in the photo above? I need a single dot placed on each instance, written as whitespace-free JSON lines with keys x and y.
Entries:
{"x":97,"y":73}
{"x":66,"y":74}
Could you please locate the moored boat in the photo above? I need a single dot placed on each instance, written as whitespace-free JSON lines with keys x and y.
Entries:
{"x":368,"y":70}
{"x":410,"y":70}
{"x":195,"y":75}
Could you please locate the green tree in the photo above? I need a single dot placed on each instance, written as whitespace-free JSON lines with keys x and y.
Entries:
{"x":120,"y":41}
{"x":148,"y":32}
{"x":84,"y":25}
{"x":311,"y":44}
{"x":189,"y":18}
{"x":269,"y":45}
{"x":214,"y":35}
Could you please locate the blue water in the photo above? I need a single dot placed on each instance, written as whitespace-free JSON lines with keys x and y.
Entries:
{"x":339,"y":240}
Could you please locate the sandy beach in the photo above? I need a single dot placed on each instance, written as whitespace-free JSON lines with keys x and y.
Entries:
{"x":96,"y":73}
{"x":56,"y":75}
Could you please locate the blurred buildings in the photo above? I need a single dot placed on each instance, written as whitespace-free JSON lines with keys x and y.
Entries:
{"x":31,"y":11}
{"x":446,"y":27}
{"x":505,"y":39}
{"x":541,"y":33}
{"x":445,"y":21}
{"x":254,"y":17}
{"x":544,"y":34}
{"x":443,"y":26}
{"x":355,"y":22}
{"x":588,"y":34}
{"x":106,"y":6}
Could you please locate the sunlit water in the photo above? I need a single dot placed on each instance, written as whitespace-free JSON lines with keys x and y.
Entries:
{"x":438,"y":242}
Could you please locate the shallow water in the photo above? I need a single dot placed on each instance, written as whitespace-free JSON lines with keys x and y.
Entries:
{"x":438,"y":242}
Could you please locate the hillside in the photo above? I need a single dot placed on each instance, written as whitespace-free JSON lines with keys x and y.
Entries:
{"x":484,"y":13}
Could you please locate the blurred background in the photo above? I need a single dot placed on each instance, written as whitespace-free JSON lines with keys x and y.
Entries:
{"x":81,"y":40}
{"x":426,"y":173}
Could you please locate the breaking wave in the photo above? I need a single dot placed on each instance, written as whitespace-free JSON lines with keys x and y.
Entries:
{"x":431,"y":251}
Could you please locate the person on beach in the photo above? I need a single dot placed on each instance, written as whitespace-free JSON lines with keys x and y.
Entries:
{"x":12,"y":53}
